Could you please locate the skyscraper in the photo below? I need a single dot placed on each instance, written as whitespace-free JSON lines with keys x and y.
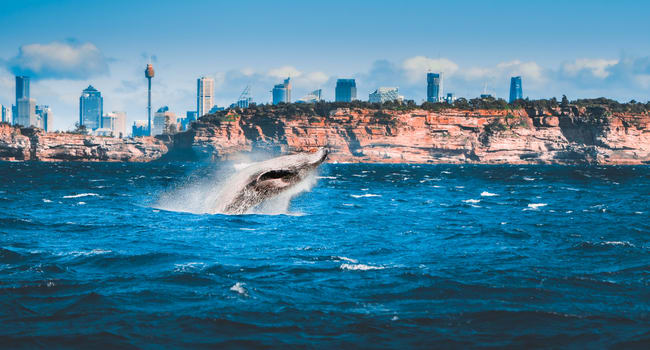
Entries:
{"x":91,"y":108}
{"x":22,"y":88}
{"x":204,"y":95}
{"x":26,"y":112}
{"x":282,"y":92}
{"x":6,"y":114}
{"x":434,"y":87}
{"x":516,"y":92}
{"x":162,"y":121}
{"x":346,"y":90}
{"x":149,"y":73}
{"x":44,"y":114}
{"x":116,"y":122}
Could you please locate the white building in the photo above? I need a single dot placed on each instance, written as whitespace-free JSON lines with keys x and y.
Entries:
{"x":5,"y":114}
{"x":163,"y":121}
{"x":204,"y":95}
{"x":26,"y":112}
{"x":312,"y":97}
{"x":385,"y":94}
{"x":116,"y":123}
{"x":44,"y":117}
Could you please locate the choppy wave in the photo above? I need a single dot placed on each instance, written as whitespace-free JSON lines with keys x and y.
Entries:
{"x":416,"y":266}
{"x":81,"y":195}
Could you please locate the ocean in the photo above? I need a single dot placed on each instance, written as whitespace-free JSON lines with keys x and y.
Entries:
{"x":121,"y":255}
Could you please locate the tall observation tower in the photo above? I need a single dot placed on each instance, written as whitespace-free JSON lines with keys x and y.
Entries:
{"x":148,"y":73}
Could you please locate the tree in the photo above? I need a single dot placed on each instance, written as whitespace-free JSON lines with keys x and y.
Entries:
{"x":80,"y":129}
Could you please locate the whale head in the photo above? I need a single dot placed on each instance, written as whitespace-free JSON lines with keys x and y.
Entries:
{"x":264,"y":180}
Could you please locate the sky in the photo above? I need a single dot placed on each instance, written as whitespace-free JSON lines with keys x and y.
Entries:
{"x":582,"y":49}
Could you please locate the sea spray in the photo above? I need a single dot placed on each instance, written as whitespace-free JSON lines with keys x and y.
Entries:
{"x":211,"y":194}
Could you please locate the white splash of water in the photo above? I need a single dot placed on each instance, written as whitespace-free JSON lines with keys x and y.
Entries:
{"x":208,"y":194}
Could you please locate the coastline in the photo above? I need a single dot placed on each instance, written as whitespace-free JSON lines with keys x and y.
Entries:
{"x":568,"y":135}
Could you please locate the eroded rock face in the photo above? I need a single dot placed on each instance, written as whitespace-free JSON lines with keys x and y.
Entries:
{"x":420,"y":136}
{"x":35,"y":144}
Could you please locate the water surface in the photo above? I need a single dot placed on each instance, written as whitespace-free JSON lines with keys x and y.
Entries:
{"x":374,"y":256}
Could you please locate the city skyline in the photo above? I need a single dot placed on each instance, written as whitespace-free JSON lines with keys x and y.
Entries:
{"x":586,"y":60}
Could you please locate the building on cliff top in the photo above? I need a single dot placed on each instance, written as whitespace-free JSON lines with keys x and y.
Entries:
{"x":116,"y":123}
{"x":44,"y":117}
{"x":140,"y":128}
{"x":91,"y":108}
{"x":282,"y":92}
{"x":311,"y":97}
{"x":346,"y":90}
{"x":434,"y":87}
{"x":164,"y":122}
{"x":204,"y":95}
{"x":516,"y":92}
{"x":385,"y":94}
{"x":6,"y":114}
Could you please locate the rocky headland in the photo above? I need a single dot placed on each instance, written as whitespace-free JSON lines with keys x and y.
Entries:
{"x":488,"y":132}
{"x":35,"y":144}
{"x":438,"y":134}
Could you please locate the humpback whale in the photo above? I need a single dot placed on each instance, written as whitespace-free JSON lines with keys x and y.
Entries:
{"x":265,"y":180}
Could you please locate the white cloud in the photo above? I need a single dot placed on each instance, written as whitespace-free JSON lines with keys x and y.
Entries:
{"x":416,"y":67}
{"x":528,"y":70}
{"x":284,"y":72}
{"x":596,"y":67}
{"x":59,"y":60}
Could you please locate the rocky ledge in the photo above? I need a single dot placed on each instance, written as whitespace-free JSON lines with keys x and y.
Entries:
{"x":36,"y":144}
{"x":561,"y":135}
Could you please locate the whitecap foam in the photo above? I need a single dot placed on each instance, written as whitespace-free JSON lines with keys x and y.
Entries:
{"x":529,"y":178}
{"x":472,"y":201}
{"x":364,"y":195}
{"x":85,"y":253}
{"x":343,"y":258}
{"x":622,"y":243}
{"x":82,"y":195}
{"x":360,"y":267}
{"x":46,"y":200}
{"x":535,"y":206}
{"x":488,"y":194}
{"x":239,"y":288}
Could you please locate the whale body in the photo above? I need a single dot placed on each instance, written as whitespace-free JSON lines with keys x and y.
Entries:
{"x":264,"y":180}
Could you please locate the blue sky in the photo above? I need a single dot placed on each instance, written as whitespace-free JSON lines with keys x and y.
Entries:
{"x":577,"y":48}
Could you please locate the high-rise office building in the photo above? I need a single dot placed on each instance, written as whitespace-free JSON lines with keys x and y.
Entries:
{"x":516,"y":92}
{"x":346,"y":90}
{"x":163,"y":121}
{"x":190,"y":116}
{"x":44,"y":117}
{"x":385,"y":94}
{"x":434,"y":87}
{"x":26,"y":112}
{"x":282,"y":92}
{"x":91,"y":108}
{"x":22,"y":88}
{"x":204,"y":95}
{"x":6,"y":114}
{"x":116,"y":122}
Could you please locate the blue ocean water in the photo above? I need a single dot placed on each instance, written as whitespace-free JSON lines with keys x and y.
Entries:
{"x":374,"y":256}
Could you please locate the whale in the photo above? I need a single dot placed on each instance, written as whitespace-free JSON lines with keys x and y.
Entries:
{"x":265,"y":180}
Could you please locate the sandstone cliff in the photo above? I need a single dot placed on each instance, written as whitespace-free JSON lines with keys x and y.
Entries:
{"x":515,"y":136}
{"x":35,"y":144}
